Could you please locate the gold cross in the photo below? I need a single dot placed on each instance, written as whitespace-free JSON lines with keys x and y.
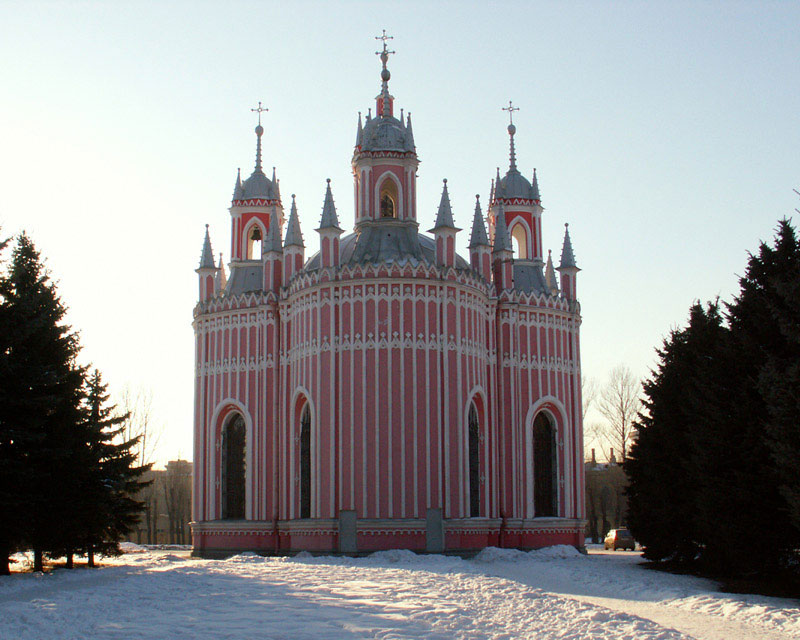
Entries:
{"x":511,"y":109}
{"x":259,"y":110}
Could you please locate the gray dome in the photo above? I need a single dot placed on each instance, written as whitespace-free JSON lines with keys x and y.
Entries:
{"x":515,"y":185}
{"x":257,"y":186}
{"x":386,"y":133}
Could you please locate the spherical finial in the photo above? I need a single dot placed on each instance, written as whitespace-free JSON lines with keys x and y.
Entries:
{"x":511,"y":129}
{"x":259,"y":131}
{"x":328,"y":180}
{"x":566,"y":224}
{"x":477,"y":196}
{"x":444,"y":180}
{"x":206,"y":226}
{"x":292,"y":196}
{"x":385,"y":75}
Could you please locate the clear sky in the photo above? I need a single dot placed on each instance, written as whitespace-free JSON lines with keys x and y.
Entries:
{"x":666,"y":134}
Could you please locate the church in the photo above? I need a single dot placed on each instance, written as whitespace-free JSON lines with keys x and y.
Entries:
{"x":386,"y":392}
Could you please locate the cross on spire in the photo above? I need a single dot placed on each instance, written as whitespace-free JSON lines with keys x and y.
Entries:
{"x":259,"y":110}
{"x":511,"y":109}
{"x":384,"y":37}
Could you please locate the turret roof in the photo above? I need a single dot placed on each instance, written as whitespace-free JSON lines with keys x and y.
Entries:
{"x":502,"y":241}
{"x":294,"y":236}
{"x":330,"y":220}
{"x":567,"y":255}
{"x":478,"y":236}
{"x":207,"y":256}
{"x":444,"y":216}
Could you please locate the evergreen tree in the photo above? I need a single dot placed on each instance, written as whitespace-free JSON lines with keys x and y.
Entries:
{"x":110,"y":511}
{"x":662,"y":468}
{"x":40,"y":396}
{"x":9,"y":458}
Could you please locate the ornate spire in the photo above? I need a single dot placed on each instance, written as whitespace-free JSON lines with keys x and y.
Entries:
{"x":330,"y":220}
{"x":567,"y":255}
{"x":293,"y":235}
{"x":511,"y":131}
{"x":478,"y":236}
{"x":273,"y":239}
{"x":259,"y":133}
{"x":444,"y":217}
{"x":550,"y":274}
{"x":360,"y":131}
{"x":207,"y":256}
{"x":409,"y":134}
{"x":385,"y":74}
{"x":502,"y":241}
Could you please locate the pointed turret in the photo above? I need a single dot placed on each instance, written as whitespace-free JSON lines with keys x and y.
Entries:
{"x":444,"y":216}
{"x":238,"y":192}
{"x":273,"y":243}
{"x":293,"y":246}
{"x":207,"y":255}
{"x":550,"y":274}
{"x":220,"y":280}
{"x":444,"y":231}
{"x":329,"y":231}
{"x":535,"y":187}
{"x":294,"y":236}
{"x":207,"y":270}
{"x":502,"y":254}
{"x":272,"y":255}
{"x":568,"y":269}
{"x":502,"y":241}
{"x":479,"y":248}
{"x":360,"y":131}
{"x":410,"y":146}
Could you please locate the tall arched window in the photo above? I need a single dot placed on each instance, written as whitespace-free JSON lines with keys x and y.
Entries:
{"x":388,"y":199}
{"x":233,"y":468}
{"x":305,"y":462}
{"x":519,"y":242}
{"x":544,"y":467}
{"x":254,"y":238}
{"x":474,"y":463}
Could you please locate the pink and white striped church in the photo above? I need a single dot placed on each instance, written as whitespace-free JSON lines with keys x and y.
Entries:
{"x":385,"y":392}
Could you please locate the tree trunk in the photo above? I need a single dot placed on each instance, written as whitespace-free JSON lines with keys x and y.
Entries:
{"x":5,"y":569}
{"x":90,"y":556}
{"x":69,"y":560}
{"x":38,"y":560}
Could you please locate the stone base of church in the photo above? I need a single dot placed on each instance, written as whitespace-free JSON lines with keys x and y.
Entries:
{"x":221,"y":538}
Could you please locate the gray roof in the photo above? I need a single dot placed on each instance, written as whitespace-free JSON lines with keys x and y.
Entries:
{"x":528,"y":278}
{"x":535,"y":187}
{"x":515,"y":185}
{"x":207,"y":256}
{"x":237,"y":188}
{"x":257,"y":186}
{"x":330,"y":220}
{"x":478,"y":236}
{"x":567,"y":255}
{"x":385,"y":242}
{"x":444,"y":217}
{"x":502,"y":241}
{"x":294,"y":237}
{"x":245,"y":277}
{"x":387,"y":133}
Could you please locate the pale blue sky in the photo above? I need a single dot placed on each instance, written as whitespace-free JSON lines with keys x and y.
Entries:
{"x":666,"y":134}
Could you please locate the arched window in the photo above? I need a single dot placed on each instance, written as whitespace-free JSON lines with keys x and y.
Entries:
{"x":254,"y":238}
{"x":474,"y":463}
{"x":233,"y":468}
{"x":388,"y":199}
{"x":544,"y":467}
{"x":519,"y":242}
{"x":305,"y":462}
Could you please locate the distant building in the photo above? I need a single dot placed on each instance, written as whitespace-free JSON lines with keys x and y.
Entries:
{"x":168,"y":504}
{"x":606,"y":502}
{"x":386,"y":392}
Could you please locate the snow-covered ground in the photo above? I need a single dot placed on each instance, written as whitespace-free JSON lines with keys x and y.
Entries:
{"x":551,"y":593}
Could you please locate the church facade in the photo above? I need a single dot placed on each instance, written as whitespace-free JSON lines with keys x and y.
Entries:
{"x":386,"y":392}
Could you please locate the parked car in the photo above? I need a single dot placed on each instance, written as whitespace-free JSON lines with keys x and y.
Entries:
{"x":619,"y":539}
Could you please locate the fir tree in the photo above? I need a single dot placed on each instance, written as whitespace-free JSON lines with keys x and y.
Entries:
{"x":40,"y":396}
{"x":10,"y":464}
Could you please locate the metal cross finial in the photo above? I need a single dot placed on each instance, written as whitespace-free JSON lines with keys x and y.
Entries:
{"x":385,"y":53}
{"x":259,"y":110}
{"x":511,"y":109}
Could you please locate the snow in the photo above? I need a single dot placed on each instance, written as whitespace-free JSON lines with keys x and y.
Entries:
{"x":499,"y":594}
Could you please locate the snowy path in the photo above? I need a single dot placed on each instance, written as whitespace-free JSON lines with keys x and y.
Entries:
{"x":501,"y":594}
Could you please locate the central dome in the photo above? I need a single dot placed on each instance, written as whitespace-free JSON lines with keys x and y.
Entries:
{"x":386,"y":133}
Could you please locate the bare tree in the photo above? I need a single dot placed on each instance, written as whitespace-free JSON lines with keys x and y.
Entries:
{"x":619,"y":403}
{"x":589,"y":390}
